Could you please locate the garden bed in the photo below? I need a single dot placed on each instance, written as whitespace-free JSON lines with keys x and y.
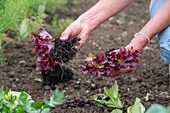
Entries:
{"x":151,"y":75}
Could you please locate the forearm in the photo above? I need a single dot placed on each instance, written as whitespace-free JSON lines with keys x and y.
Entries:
{"x":101,"y":12}
{"x":159,"y":22}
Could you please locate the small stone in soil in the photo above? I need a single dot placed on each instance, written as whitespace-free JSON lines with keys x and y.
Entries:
{"x":47,"y":88}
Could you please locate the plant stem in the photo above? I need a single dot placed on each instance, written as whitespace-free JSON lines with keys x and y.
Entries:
{"x":12,"y":22}
{"x":8,"y":43}
{"x":8,"y":24}
{"x":1,"y":52}
{"x":0,"y":40}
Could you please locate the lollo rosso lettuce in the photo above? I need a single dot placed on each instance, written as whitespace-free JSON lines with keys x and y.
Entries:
{"x":107,"y":64}
{"x":44,"y":45}
{"x":51,"y":52}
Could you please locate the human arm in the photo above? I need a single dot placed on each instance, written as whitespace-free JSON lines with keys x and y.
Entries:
{"x":159,"y":22}
{"x":89,"y":20}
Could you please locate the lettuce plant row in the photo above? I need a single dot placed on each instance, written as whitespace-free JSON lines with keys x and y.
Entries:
{"x":107,"y":64}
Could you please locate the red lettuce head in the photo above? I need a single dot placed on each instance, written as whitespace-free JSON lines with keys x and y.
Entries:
{"x":109,"y":65}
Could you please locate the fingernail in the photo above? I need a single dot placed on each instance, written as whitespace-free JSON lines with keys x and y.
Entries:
{"x":63,"y":38}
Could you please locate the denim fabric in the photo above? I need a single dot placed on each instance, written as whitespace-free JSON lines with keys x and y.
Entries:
{"x":163,"y":36}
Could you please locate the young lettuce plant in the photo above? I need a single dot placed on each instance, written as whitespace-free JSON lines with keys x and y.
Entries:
{"x":21,"y":102}
{"x":51,"y":54}
{"x":106,"y":64}
{"x":111,"y":99}
{"x":43,"y":44}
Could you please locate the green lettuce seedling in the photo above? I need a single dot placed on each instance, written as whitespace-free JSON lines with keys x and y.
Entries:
{"x":137,"y":107}
{"x":110,"y":98}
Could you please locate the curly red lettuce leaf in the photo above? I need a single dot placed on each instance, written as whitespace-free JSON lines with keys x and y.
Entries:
{"x":107,"y":65}
{"x":43,"y":44}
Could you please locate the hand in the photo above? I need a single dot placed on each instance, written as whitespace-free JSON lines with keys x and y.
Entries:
{"x":76,"y":29}
{"x":123,"y":71}
{"x":135,"y":44}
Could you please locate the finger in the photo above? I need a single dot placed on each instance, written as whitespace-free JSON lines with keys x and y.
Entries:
{"x":71,"y":31}
{"x":65,"y":35}
{"x":83,"y":37}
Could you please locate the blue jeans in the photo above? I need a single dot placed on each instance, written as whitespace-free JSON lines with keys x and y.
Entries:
{"x":164,"y":35}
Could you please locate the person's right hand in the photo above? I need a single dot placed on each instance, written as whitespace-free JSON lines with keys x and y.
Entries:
{"x":137,"y":43}
{"x":76,"y":29}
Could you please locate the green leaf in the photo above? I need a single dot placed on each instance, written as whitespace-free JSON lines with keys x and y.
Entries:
{"x":56,"y":99}
{"x":20,"y":110}
{"x":46,"y":106}
{"x":90,"y":57}
{"x":113,"y":94}
{"x":6,"y":109}
{"x":30,"y":109}
{"x":38,"y":79}
{"x":24,"y":28}
{"x":37,"y":104}
{"x":22,"y":99}
{"x":111,"y":18}
{"x":2,"y":4}
{"x":46,"y":110}
{"x":2,"y":94}
{"x":49,"y":103}
{"x":18,"y":94}
{"x":1,"y":107}
{"x":137,"y":107}
{"x":100,"y":99}
{"x":75,"y":1}
{"x":102,"y":96}
{"x":114,"y":90}
{"x":12,"y":100}
{"x":117,"y":111}
{"x":112,"y":104}
{"x":168,"y":109}
{"x":156,"y":108}
{"x":100,"y":66}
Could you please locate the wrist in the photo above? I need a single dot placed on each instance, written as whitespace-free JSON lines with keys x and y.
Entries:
{"x":89,"y":20}
{"x":140,"y":39}
{"x":138,"y":42}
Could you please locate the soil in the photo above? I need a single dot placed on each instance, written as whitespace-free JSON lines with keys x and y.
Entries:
{"x":59,"y":74}
{"x":65,"y":50}
{"x":151,"y":75}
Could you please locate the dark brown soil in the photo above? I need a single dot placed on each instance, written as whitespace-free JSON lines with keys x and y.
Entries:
{"x":59,"y":74}
{"x":18,"y":73}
